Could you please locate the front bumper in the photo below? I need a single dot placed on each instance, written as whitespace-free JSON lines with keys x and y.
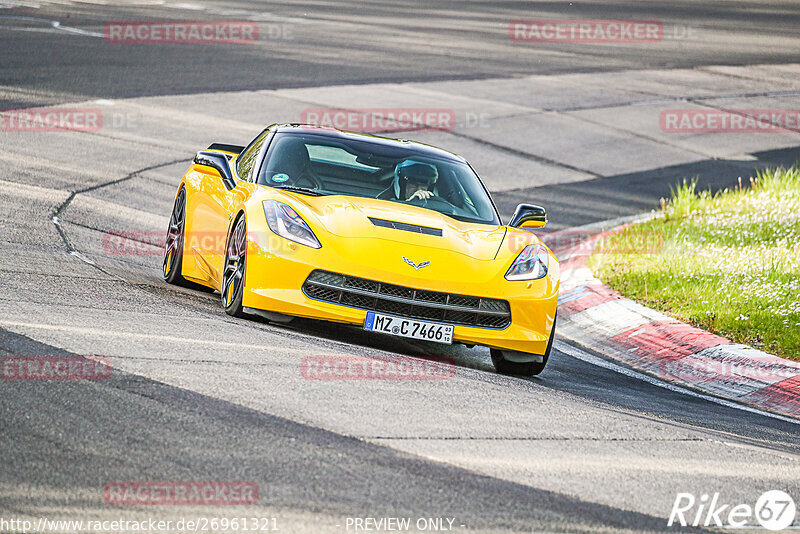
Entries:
{"x":278,"y":269}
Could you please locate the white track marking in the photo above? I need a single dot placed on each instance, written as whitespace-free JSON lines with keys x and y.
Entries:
{"x":12,"y":5}
{"x":584,"y":356}
{"x":52,"y":23}
{"x":138,"y":335}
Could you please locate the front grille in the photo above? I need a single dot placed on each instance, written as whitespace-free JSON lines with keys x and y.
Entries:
{"x":406,"y":301}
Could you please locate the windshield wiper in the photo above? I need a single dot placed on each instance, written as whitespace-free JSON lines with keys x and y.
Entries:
{"x":301,"y":190}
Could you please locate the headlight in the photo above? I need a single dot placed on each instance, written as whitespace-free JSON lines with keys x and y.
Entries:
{"x":285,"y":222}
{"x":531,"y":264}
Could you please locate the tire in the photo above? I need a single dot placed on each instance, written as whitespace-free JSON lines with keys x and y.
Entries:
{"x":173,"y":245}
{"x":233,"y":272}
{"x":505,"y":367}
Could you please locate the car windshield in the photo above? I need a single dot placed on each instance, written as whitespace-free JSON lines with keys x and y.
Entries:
{"x":326,"y":165}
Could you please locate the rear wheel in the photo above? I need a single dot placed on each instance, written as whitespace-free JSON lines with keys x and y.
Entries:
{"x":506,"y":367}
{"x":233,"y":273}
{"x":173,"y":246}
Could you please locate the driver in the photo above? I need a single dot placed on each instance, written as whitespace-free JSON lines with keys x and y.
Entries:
{"x":413,"y":180}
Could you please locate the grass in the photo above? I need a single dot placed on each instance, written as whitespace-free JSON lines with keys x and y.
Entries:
{"x":727,"y":262}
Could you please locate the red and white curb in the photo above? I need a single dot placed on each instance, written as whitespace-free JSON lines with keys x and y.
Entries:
{"x":595,"y":316}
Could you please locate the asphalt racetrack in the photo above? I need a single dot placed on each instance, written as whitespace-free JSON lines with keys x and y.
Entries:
{"x":197,"y":395}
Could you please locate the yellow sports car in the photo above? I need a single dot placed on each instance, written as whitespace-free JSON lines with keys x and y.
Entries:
{"x":398,"y":237}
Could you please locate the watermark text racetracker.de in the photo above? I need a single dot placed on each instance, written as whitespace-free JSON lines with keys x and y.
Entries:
{"x":585,"y":31}
{"x":729,"y":120}
{"x":193,"y":32}
{"x":51,"y":120}
{"x":773,"y":510}
{"x":348,"y":367}
{"x":132,"y":243}
{"x":593,"y":241}
{"x":65,"y":119}
{"x":54,"y":368}
{"x":385,"y":120}
{"x":175,"y":493}
{"x":708,"y":370}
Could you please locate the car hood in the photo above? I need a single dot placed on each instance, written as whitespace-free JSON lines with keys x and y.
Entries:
{"x":364,"y":218}
{"x":354,"y":217}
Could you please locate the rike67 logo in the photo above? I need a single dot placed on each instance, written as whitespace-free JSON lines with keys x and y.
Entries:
{"x":774,"y":510}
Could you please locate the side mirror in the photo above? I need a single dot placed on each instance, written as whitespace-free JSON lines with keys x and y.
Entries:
{"x":528,"y":216}
{"x":219,"y":162}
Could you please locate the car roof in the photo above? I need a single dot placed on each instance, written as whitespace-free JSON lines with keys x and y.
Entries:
{"x":355,"y":136}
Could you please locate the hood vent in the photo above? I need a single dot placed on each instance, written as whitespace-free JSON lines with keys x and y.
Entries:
{"x":406,"y":227}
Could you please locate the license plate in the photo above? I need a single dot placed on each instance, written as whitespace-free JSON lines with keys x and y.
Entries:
{"x":398,"y":326}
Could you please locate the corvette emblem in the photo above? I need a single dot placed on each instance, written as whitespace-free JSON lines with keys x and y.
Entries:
{"x":416,"y":266}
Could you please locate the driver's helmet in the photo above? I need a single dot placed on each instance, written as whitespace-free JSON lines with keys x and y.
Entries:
{"x":413,"y":171}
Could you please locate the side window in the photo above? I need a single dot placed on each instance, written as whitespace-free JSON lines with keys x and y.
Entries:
{"x":248,"y":158}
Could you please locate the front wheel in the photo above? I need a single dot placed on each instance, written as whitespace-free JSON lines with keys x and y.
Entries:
{"x":233,"y":274}
{"x":506,"y":367}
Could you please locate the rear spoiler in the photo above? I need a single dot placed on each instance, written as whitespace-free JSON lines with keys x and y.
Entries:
{"x":233,"y":149}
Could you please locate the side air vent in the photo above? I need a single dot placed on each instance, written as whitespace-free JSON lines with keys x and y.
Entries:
{"x":406,"y":227}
